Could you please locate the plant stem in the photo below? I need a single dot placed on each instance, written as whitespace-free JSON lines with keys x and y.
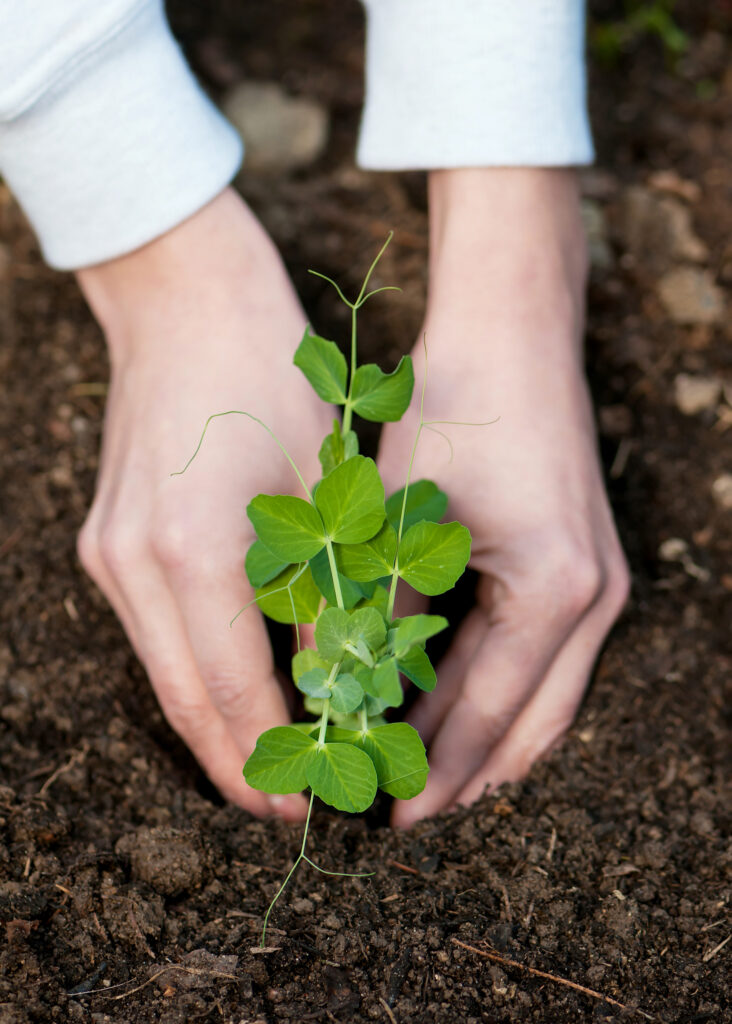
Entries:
{"x":395,"y":572}
{"x":348,"y":410}
{"x":256,"y":419}
{"x":326,"y":707}
{"x":290,"y":873}
{"x":334,"y":574}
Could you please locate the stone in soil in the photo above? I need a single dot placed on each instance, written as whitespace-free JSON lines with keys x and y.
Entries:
{"x":657,"y":229}
{"x":280,"y":131}
{"x":690,"y":296}
{"x":695,"y":393}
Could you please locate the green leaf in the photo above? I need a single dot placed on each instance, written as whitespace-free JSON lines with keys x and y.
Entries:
{"x":304,"y":661}
{"x":433,"y":556}
{"x":289,"y":602}
{"x":351,"y":501}
{"x":324,"y":365}
{"x":371,"y":559}
{"x":378,"y":600}
{"x":346,"y":694}
{"x":350,"y":592}
{"x":385,"y":685}
{"x":313,"y":683}
{"x":337,"y":448}
{"x":417,"y":667}
{"x":335,"y":628}
{"x":424,"y":501}
{"x":414,"y":629}
{"x":309,"y":728}
{"x":382,"y":397}
{"x":399,"y":757}
{"x":290,"y":527}
{"x":279,"y":761}
{"x":261,"y":565}
{"x":343,"y":776}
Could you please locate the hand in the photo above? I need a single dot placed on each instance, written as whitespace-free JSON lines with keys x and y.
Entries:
{"x":503,"y":332}
{"x":202,"y":320}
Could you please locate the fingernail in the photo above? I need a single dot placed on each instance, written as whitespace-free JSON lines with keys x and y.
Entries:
{"x":287,"y":806}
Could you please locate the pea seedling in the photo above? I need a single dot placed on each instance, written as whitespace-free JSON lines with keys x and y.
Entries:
{"x":334,"y":558}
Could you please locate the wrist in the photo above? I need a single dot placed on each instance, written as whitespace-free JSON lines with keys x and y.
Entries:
{"x":503,"y":223}
{"x":203,"y":264}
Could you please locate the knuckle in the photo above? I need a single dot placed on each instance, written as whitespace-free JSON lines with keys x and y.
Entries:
{"x":87,"y":548}
{"x":227,"y":691}
{"x":618,"y":584}
{"x":171,"y":542}
{"x":119,"y":547}
{"x":574,"y":577}
{"x":188,"y":716}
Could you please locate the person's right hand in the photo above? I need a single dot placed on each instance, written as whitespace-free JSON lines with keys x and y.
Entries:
{"x":201,"y":320}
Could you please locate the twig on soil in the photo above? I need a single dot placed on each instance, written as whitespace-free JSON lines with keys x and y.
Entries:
{"x":387,"y":1010}
{"x":10,"y":540}
{"x":713,"y":952}
{"x":174,"y":967}
{"x":77,"y":757}
{"x":506,"y":962}
{"x":402,"y":867}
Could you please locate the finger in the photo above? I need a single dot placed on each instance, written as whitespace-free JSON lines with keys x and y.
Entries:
{"x":552,"y":708}
{"x":234,"y":664}
{"x":506,"y":668}
{"x":430,"y":709}
{"x":150,"y":616}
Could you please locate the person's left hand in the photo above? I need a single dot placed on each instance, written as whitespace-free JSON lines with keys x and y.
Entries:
{"x":503,"y":332}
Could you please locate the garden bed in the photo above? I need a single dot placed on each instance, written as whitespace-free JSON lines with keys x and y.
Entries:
{"x":129,"y":894}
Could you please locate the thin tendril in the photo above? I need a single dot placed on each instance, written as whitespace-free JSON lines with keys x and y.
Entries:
{"x":385,"y":288}
{"x":380,"y":253}
{"x":290,"y":873}
{"x":316,"y":273}
{"x":293,"y":579}
{"x":251,"y":416}
{"x":462,"y":423}
{"x":339,"y":874}
{"x":444,"y":436}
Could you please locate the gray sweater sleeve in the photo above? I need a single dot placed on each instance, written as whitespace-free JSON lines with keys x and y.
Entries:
{"x":107,"y":140}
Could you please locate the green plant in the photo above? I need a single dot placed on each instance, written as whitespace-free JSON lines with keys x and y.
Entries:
{"x":334,"y":558}
{"x":642,"y":19}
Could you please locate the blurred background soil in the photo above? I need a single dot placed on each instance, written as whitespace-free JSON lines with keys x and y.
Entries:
{"x":128,"y":893}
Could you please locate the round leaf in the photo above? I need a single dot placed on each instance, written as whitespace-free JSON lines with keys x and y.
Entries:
{"x":343,"y":776}
{"x":414,"y":629}
{"x":324,"y":365}
{"x":346,"y":694}
{"x":337,"y":447}
{"x":433,"y":556}
{"x":399,"y":757}
{"x":313,"y":683}
{"x":351,"y":501}
{"x":290,"y":602}
{"x":417,"y":667}
{"x":385,"y":685}
{"x":382,"y":397}
{"x":279,"y":761}
{"x":290,"y":527}
{"x":261,"y":565}
{"x":370,"y":560}
{"x":304,"y":660}
{"x":335,"y":628}
{"x":424,"y":501}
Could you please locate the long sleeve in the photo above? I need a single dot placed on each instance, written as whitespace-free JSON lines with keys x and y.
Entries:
{"x":460,"y":83}
{"x":105,"y":137}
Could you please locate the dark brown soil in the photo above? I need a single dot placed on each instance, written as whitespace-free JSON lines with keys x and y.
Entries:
{"x":128,"y":894}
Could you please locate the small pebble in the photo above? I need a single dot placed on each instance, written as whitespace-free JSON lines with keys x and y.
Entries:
{"x":695,"y":393}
